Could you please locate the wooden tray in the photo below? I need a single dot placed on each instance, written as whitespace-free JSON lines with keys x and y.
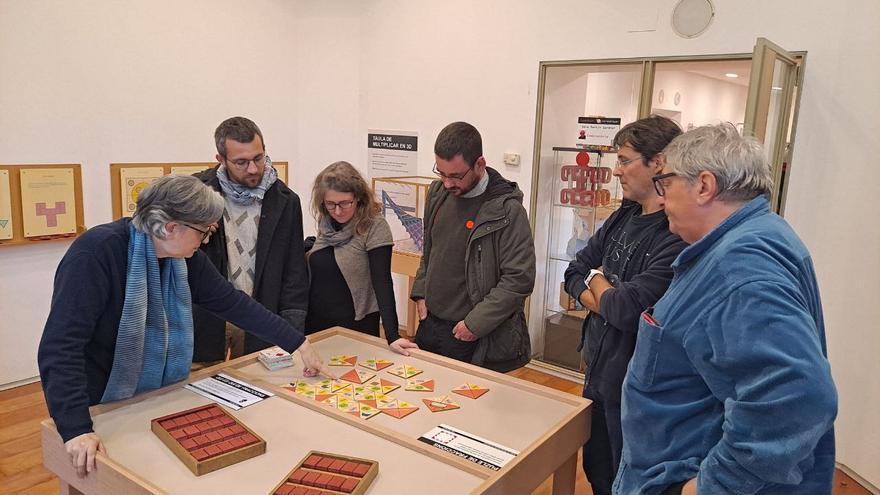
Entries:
{"x":328,"y":474}
{"x":207,"y":438}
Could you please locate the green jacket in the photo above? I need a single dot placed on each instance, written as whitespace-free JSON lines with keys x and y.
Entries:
{"x":500,"y":264}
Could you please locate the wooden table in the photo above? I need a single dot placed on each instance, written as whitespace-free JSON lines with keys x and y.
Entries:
{"x":546,"y":426}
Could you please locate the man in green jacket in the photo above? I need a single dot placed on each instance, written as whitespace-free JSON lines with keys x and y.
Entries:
{"x":478,"y":264}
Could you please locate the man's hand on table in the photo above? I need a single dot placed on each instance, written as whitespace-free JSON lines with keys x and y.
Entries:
{"x":82,"y":451}
{"x":402,"y":345}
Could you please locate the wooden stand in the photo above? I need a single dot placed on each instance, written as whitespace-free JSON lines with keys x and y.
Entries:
{"x":407,"y":264}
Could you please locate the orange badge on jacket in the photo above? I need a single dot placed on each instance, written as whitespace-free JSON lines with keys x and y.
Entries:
{"x":469,"y":224}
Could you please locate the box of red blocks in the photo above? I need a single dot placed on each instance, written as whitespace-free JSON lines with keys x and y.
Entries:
{"x":207,"y":438}
{"x":320,"y":473}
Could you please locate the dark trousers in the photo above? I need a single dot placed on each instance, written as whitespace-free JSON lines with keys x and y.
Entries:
{"x":435,"y":335}
{"x":602,"y":451}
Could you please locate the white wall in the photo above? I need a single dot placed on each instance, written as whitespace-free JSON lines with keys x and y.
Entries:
{"x":98,"y":82}
{"x":704,"y":100}
{"x":427,"y":64}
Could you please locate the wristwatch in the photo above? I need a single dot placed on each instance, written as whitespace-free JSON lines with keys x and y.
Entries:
{"x":590,"y":276}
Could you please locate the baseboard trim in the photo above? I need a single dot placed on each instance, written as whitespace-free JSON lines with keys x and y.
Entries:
{"x":26,"y":381}
{"x":557,"y":371}
{"x":862,"y":481}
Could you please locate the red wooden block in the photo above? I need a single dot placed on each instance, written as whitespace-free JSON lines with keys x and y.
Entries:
{"x":299,"y":491}
{"x":213,"y":436}
{"x":189,"y":444}
{"x":177,"y":434}
{"x":192,"y":417}
{"x":214,"y":423}
{"x":312,"y":492}
{"x":227,"y":421}
{"x":248,"y":439}
{"x":335,"y":482}
{"x":297,"y":476}
{"x":237,"y":442}
{"x":284,"y":490}
{"x":200,"y":455}
{"x":336,"y":466}
{"x":226,"y":446}
{"x":201,"y":440}
{"x":205,"y":414}
{"x":323,"y":480}
{"x":309,"y":478}
{"x":236,"y":429}
{"x":191,"y":430}
{"x":348,"y":485}
{"x":312,"y":461}
{"x":348,"y":468}
{"x":213,"y":450}
{"x":325,"y":463}
{"x":361,"y":470}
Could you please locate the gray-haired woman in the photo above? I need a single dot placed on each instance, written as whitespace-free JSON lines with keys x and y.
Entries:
{"x":120,"y":321}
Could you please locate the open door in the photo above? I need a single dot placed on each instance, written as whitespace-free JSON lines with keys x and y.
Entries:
{"x":770,"y":110}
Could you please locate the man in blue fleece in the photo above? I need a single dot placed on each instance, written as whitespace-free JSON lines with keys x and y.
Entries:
{"x":628,"y":265}
{"x":729,"y":389}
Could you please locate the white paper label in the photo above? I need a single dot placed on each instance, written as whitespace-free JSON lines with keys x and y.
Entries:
{"x":469,"y":446}
{"x":228,"y":391}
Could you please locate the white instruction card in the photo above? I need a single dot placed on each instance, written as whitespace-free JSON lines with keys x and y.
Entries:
{"x":228,"y":391}
{"x":469,"y":446}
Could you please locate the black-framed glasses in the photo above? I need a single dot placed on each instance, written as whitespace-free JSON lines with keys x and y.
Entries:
{"x":451,"y":176}
{"x":623,"y":163}
{"x":343,"y":205}
{"x":659,"y":184}
{"x":242,"y":163}
{"x":205,"y":233}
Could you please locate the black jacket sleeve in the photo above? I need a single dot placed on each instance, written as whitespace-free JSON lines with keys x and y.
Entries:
{"x":588,"y":258}
{"x":622,"y":305}
{"x":215,"y":294}
{"x":380,"y":274}
{"x":82,"y":285}
{"x":294,"y":299}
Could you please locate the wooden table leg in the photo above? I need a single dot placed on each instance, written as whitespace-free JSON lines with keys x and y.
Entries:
{"x":564,"y":476}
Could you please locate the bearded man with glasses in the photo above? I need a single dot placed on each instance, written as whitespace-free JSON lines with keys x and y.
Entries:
{"x":478,"y":262}
{"x":258,"y":244}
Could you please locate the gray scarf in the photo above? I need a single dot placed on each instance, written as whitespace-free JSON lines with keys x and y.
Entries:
{"x":350,"y":252}
{"x":244,"y":195}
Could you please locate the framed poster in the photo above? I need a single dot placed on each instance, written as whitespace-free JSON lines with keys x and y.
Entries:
{"x":6,"y":223}
{"x":188,"y":169}
{"x":48,"y":201}
{"x":132,"y":181}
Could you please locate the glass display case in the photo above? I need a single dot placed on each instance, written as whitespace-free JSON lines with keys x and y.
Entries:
{"x":583,"y":196}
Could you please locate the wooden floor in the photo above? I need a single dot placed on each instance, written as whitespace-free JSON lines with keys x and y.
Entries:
{"x":22,"y":472}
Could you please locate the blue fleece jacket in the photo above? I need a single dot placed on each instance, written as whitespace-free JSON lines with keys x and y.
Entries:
{"x":730,"y":382}
{"x":79,"y":340}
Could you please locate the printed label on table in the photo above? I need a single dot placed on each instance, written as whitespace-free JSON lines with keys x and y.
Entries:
{"x":232,"y":393}
{"x":469,"y":446}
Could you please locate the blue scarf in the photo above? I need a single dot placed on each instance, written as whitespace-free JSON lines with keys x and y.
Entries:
{"x":243,"y":195}
{"x":154,"y":345}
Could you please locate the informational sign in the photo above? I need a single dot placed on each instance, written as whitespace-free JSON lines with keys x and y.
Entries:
{"x":468,"y":446}
{"x":48,"y":201}
{"x":392,"y":153}
{"x":133,"y":180}
{"x":188,"y":169}
{"x":227,"y":391}
{"x":5,"y":206}
{"x":597,"y":133}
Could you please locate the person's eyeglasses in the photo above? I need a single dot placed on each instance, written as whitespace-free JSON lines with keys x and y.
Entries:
{"x":659,"y":184}
{"x":451,"y":176}
{"x":623,"y":163}
{"x":242,"y":163}
{"x":205,"y":233}
{"x":343,"y":205}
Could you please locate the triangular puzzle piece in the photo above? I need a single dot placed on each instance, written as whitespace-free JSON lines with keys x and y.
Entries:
{"x":402,"y":410}
{"x":325,"y":385}
{"x":405,"y":371}
{"x":323,"y":397}
{"x":367,"y":411}
{"x":347,"y":405}
{"x":419,"y":385}
{"x":357,"y":376}
{"x":470,"y":390}
{"x":440,"y":404}
{"x":337,"y":385}
{"x":347,"y":392}
{"x":368,"y":395}
{"x":387,"y":403}
{"x":330,"y":401}
{"x":343,"y":360}
{"x":381,"y":385}
{"x":376,"y":364}
{"x":302,"y":388}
